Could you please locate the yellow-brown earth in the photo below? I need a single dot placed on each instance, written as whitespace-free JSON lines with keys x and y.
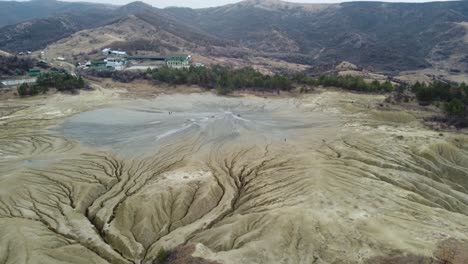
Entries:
{"x":101,"y":178}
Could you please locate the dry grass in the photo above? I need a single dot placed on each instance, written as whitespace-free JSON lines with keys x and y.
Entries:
{"x":4,"y":53}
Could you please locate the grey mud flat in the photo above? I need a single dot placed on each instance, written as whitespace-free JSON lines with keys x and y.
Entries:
{"x":316,"y":179}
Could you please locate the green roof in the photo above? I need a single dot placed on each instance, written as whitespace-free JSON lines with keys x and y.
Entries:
{"x":34,"y":72}
{"x":178,"y":57}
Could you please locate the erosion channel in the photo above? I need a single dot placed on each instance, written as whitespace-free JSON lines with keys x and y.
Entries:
{"x":316,"y":179}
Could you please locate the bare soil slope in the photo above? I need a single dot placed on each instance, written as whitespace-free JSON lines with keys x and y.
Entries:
{"x":318,"y":179}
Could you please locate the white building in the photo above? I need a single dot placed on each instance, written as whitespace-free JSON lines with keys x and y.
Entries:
{"x":108,"y":51}
{"x":116,"y":63}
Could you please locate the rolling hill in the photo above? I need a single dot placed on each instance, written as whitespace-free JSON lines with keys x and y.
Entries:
{"x":37,"y":33}
{"x":387,"y":37}
{"x":12,"y":12}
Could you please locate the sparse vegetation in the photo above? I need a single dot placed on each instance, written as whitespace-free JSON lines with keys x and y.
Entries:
{"x":453,"y":97}
{"x":226,"y":80}
{"x":223,"y":79}
{"x":133,"y":46}
{"x":354,"y":83}
{"x":31,"y":90}
{"x":162,"y":256}
{"x":120,"y":76}
{"x":11,"y":66}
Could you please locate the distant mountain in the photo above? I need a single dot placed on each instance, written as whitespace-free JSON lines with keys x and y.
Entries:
{"x":12,"y":12}
{"x":383,"y":36}
{"x":34,"y":24}
{"x":38,"y":33}
{"x":160,"y":19}
{"x":387,"y":36}
{"x":134,"y":27}
{"x":133,"y":33}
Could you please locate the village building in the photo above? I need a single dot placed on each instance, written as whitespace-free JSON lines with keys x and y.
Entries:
{"x":179,"y":61}
{"x":116,"y":63}
{"x":108,"y":51}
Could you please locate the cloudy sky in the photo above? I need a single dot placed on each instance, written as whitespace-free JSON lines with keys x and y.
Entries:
{"x":210,"y":3}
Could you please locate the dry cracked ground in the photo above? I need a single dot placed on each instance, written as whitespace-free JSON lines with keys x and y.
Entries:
{"x":96,"y":178}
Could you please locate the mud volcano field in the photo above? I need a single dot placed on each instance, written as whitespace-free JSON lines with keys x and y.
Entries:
{"x":318,"y":179}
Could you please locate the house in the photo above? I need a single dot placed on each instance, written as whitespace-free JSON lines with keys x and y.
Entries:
{"x":34,"y":72}
{"x":178,"y":61}
{"x":116,"y":63}
{"x":108,"y":51}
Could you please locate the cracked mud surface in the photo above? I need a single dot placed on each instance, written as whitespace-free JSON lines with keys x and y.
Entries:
{"x":318,"y":179}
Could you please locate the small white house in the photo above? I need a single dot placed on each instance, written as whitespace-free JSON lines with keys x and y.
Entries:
{"x":108,"y":51}
{"x":118,"y":53}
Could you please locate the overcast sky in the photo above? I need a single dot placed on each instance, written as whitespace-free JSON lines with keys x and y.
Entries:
{"x":210,"y":3}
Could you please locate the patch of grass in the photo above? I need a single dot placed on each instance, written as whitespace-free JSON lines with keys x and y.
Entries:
{"x":162,"y":256}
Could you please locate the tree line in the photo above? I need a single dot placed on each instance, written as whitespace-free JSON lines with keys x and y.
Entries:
{"x":347,"y":82}
{"x":226,"y":80}
{"x":453,"y":96}
{"x":223,"y":79}
{"x":62,"y":81}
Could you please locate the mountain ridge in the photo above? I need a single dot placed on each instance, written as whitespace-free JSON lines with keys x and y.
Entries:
{"x":386,"y":36}
{"x":382,"y":36}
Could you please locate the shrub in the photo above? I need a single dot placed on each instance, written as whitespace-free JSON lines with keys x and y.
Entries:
{"x":455,"y":108}
{"x":453,"y":97}
{"x":162,"y":256}
{"x":30,"y":90}
{"x":437,"y":91}
{"x":23,"y":90}
{"x":354,"y":83}
{"x":62,"y":81}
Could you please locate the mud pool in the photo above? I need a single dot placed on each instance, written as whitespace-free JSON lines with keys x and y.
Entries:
{"x":145,"y":126}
